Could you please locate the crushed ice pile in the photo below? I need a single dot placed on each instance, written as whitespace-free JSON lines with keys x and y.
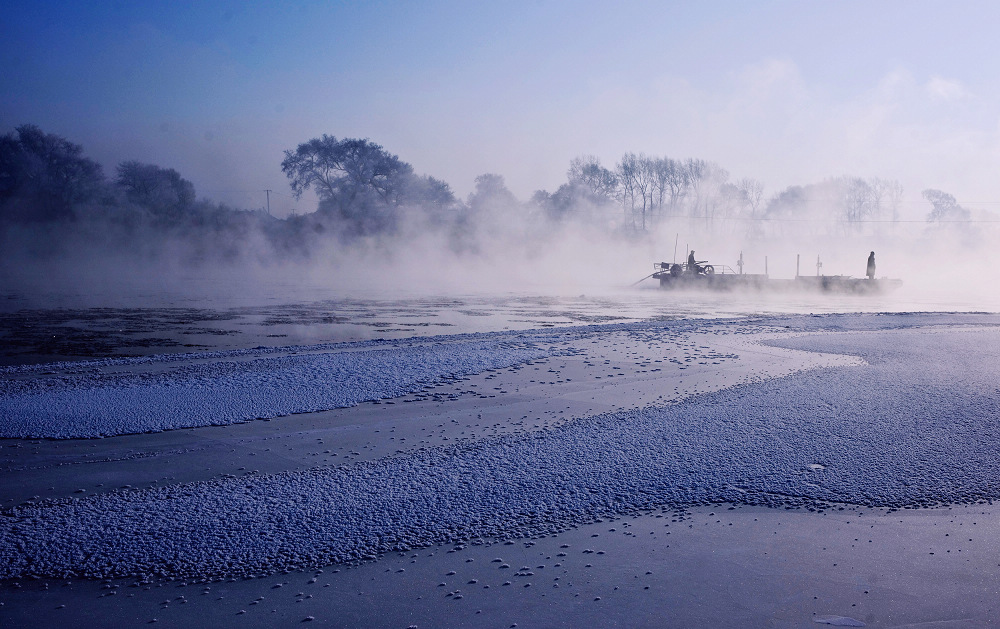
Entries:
{"x":915,"y":427}
{"x":121,"y":396}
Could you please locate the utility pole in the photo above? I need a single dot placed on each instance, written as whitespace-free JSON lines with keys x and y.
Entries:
{"x":268,"y":202}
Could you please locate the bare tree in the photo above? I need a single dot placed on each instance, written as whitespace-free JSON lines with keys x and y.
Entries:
{"x":879,"y":189}
{"x":645,"y":182}
{"x":674,"y":180}
{"x":865,"y":199}
{"x":706,"y":179}
{"x":600,"y":182}
{"x":628,"y":172}
{"x":732,"y":200}
{"x":894,"y":198}
{"x":752,"y":192}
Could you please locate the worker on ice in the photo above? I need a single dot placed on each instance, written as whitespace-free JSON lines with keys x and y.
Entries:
{"x":871,"y":266}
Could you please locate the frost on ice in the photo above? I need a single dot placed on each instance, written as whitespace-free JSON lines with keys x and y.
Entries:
{"x":122,"y":396}
{"x":902,"y":431}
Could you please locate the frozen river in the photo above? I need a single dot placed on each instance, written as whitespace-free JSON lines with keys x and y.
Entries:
{"x":474,"y":460}
{"x":201,"y":314}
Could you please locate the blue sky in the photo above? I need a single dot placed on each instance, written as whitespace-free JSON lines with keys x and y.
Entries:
{"x":786,"y":92}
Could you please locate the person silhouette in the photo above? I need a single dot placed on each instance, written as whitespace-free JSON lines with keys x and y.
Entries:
{"x":871,"y":266}
{"x":692,"y":265}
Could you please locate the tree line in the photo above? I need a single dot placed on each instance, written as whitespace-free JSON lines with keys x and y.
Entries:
{"x":366,"y":192}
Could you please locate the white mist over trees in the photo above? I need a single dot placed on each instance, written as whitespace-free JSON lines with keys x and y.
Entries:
{"x":55,"y":202}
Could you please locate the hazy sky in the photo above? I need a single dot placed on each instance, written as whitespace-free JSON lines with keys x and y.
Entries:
{"x":786,"y":92}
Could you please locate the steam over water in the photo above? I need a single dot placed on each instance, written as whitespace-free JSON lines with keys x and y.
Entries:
{"x":203,"y":313}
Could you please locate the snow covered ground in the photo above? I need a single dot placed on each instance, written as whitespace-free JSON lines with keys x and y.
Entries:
{"x":404,"y":456}
{"x":99,"y":398}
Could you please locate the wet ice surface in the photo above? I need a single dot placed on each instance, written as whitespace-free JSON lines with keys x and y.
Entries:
{"x":31,"y":334}
{"x":902,"y":431}
{"x":49,"y":327}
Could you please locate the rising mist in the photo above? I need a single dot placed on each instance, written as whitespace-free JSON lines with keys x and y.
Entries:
{"x":379,"y":227}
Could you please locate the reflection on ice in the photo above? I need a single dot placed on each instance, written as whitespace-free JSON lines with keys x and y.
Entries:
{"x":208,"y":316}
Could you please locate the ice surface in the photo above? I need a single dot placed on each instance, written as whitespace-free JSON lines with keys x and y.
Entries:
{"x":99,"y":398}
{"x":229,"y":387}
{"x":838,"y":621}
{"x":915,"y":427}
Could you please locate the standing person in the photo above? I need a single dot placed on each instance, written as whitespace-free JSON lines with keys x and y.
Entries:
{"x":871,"y":266}
{"x":692,"y":265}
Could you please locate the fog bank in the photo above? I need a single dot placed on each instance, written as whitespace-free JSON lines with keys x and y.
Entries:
{"x":380,"y":229}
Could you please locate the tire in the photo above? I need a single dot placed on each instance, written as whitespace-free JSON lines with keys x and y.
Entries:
{"x":709,"y":269}
{"x":676,"y":270}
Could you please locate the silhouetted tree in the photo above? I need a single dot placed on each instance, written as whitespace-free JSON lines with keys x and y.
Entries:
{"x":790,"y":203}
{"x":945,"y":209}
{"x":600,"y":183}
{"x":589,"y":188}
{"x":866,"y":199}
{"x":652,"y":188}
{"x":751,"y":193}
{"x":894,"y":198}
{"x":491,"y":195}
{"x":629,"y":173}
{"x":674,"y":179}
{"x":706,"y":181}
{"x":162,"y":191}
{"x":433,"y":197}
{"x":566,"y":200}
{"x":356,"y":180}
{"x":490,"y":210}
{"x":45,"y":177}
